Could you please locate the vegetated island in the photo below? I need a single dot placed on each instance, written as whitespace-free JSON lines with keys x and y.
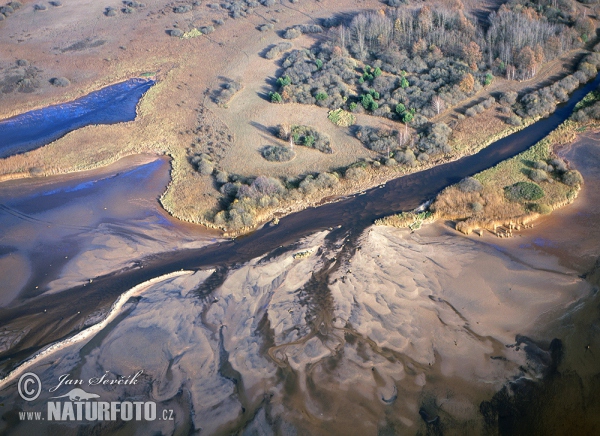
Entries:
{"x":260,"y":127}
{"x":515,"y":192}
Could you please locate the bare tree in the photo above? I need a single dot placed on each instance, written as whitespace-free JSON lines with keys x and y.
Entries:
{"x":403,"y":136}
{"x":438,"y":104}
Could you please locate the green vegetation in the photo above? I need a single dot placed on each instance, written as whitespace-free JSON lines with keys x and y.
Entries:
{"x":277,"y":153}
{"x":306,"y":136}
{"x":341,"y":118}
{"x":523,"y":191}
{"x":410,"y":220}
{"x":275,"y":97}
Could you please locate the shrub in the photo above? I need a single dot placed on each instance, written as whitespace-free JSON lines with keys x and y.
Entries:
{"x":203,"y":164}
{"x":40,"y":7}
{"x":523,"y":191}
{"x":470,"y":184}
{"x":559,"y":165}
{"x":56,"y":4}
{"x":22,"y":63}
{"x":177,"y":33}
{"x":277,"y":153}
{"x":514,"y":120}
{"x":320,"y":96}
{"x":276,"y":50}
{"x":509,"y":98}
{"x":222,"y":177}
{"x":182,"y":9}
{"x":542,"y":209}
{"x":60,"y":81}
{"x":572,"y":178}
{"x":476,"y":207}
{"x":275,"y":97}
{"x":538,"y":175}
{"x":111,"y":12}
{"x":206,"y":30}
{"x":226,"y":93}
{"x":341,"y":118}
{"x":292,"y":33}
{"x":379,"y":140}
{"x":266,"y":27}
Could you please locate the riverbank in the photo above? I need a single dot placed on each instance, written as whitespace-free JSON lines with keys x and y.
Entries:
{"x":188,"y":73}
{"x":517,"y":191}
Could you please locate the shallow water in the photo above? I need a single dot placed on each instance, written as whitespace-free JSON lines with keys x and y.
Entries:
{"x":110,"y":105}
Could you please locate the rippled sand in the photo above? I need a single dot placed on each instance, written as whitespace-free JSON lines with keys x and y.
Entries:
{"x":411,"y":327}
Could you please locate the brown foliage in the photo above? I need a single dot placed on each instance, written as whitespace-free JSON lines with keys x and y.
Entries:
{"x":467,"y":83}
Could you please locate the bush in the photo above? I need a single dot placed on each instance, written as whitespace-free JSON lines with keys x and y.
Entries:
{"x":509,"y":98}
{"x":542,"y":209}
{"x":292,"y":33}
{"x":177,"y":33}
{"x":22,"y":63}
{"x":320,"y":96}
{"x":276,"y":50}
{"x":308,"y":137}
{"x":275,"y":97}
{"x":40,"y":7}
{"x":341,"y":118}
{"x":538,"y":175}
{"x":206,"y":30}
{"x":514,"y":120}
{"x":226,"y":92}
{"x":379,"y":140}
{"x":572,"y":178}
{"x":203,"y":164}
{"x":559,"y":165}
{"x":523,"y":191}
{"x":111,"y":12}
{"x":470,"y":184}
{"x":266,"y":27}
{"x":277,"y":153}
{"x":182,"y":9}
{"x":60,"y":81}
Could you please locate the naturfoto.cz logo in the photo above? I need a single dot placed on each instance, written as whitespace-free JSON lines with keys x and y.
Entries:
{"x":80,"y":405}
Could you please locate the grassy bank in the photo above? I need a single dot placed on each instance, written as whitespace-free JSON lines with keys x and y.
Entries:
{"x":518,"y":190}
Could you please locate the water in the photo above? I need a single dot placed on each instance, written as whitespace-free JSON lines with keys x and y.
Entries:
{"x":110,"y":105}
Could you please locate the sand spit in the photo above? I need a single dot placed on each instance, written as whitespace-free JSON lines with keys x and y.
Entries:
{"x":90,"y":331}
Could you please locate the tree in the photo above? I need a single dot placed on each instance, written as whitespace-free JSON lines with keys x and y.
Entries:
{"x":526,"y":60}
{"x":438,"y":104}
{"x":404,"y":83}
{"x":275,"y":97}
{"x":467,"y":83}
{"x":472,"y":53}
{"x":321,"y":96}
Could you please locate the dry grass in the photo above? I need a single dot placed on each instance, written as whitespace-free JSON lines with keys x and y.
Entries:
{"x":168,"y":113}
{"x":490,"y":208}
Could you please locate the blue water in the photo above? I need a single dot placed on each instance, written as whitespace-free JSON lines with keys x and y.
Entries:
{"x":110,"y":105}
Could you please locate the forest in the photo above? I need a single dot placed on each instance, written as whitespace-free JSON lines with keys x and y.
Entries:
{"x":409,"y":64}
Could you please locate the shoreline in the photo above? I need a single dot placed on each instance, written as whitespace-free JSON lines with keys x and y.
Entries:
{"x":90,"y":331}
